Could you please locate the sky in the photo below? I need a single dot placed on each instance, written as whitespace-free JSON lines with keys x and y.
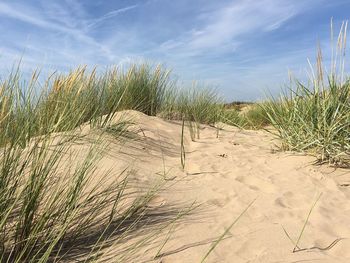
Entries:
{"x":243,"y":48}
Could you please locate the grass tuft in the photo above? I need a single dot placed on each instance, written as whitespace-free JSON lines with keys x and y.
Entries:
{"x":49,"y":204}
{"x":315,"y":117}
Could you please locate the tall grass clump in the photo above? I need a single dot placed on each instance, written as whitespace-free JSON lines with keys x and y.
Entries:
{"x":66,"y":101}
{"x":145,"y":88}
{"x":62,"y":103}
{"x":251,"y":117}
{"x":141,"y":87}
{"x":51,"y":207}
{"x":48,"y":202}
{"x":256,"y":117}
{"x":200,"y":105}
{"x":195,"y":106}
{"x":234,"y":117}
{"x":315,"y":117}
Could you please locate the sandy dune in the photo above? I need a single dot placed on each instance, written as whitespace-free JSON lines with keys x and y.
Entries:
{"x":224,"y":175}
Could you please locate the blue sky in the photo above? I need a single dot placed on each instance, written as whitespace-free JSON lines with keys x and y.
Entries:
{"x":242,"y":47}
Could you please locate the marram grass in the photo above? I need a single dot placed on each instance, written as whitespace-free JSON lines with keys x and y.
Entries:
{"x":47,"y":209}
{"x":315,"y":117}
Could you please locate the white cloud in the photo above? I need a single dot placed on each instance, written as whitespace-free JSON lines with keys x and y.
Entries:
{"x":226,"y":27}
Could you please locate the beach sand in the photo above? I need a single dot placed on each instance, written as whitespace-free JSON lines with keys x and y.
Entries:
{"x":224,"y":175}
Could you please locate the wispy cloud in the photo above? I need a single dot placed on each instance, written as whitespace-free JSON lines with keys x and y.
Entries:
{"x":110,"y":15}
{"x":9,"y":11}
{"x":241,"y":45}
{"x":36,"y":18}
{"x":225,"y":28}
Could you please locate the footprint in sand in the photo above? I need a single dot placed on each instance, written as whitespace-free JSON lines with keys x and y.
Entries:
{"x":257,"y":184}
{"x":284,"y":200}
{"x":281,"y":202}
{"x":217,"y":202}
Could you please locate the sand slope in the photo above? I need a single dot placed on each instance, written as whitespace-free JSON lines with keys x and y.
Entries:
{"x":224,"y":175}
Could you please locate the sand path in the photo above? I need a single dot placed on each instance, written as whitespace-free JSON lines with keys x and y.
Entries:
{"x":224,"y":175}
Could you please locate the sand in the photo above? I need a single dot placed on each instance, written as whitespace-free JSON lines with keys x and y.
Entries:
{"x":224,"y":175}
